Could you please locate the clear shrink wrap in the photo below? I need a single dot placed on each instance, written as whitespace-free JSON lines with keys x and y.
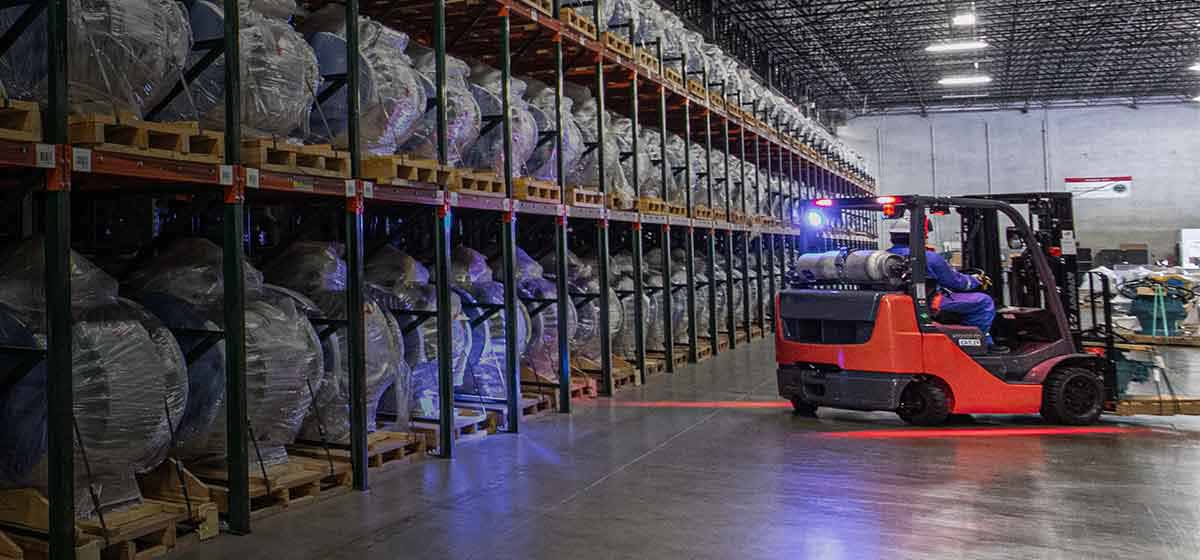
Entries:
{"x":317,"y":270}
{"x":120,"y":54}
{"x":720,"y":186}
{"x":405,"y":286}
{"x":184,"y":286}
{"x":621,"y":272}
{"x":279,"y":76}
{"x":587,"y":172}
{"x":622,"y":132}
{"x":650,"y":149}
{"x":582,"y":278}
{"x":391,"y":95}
{"x":543,"y":164}
{"x":463,"y":120}
{"x":541,"y":355}
{"x":485,"y":371}
{"x":129,"y":379}
{"x":488,"y":150}
{"x":607,"y":9}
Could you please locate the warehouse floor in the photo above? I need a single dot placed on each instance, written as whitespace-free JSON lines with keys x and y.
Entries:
{"x":707,"y":463}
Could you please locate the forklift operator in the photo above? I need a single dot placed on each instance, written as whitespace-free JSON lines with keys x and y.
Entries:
{"x":957,"y":293}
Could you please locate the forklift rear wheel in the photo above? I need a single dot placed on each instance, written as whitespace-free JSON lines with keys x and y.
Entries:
{"x":1072,"y":396}
{"x":800,"y":407}
{"x":924,"y":404}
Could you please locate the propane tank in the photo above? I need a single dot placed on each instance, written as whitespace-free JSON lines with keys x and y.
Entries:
{"x":858,"y":267}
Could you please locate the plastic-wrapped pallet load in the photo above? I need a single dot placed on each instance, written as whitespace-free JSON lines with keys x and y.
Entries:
{"x":653,"y":277}
{"x":391,"y":95}
{"x":463,"y":119}
{"x":129,"y":379}
{"x":487,"y":152}
{"x":120,"y":53}
{"x":279,"y":75}
{"x":405,"y":286}
{"x":622,"y":132}
{"x":586,"y":172}
{"x":184,"y":287}
{"x":650,"y":146}
{"x":677,"y":160}
{"x":473,"y":279}
{"x":541,"y":355}
{"x":582,"y":278}
{"x":317,"y":270}
{"x":720,"y":187}
{"x":621,"y":272}
{"x":543,"y":164}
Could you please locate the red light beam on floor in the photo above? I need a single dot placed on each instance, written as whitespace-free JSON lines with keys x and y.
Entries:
{"x":699,"y":404}
{"x":901,"y":433}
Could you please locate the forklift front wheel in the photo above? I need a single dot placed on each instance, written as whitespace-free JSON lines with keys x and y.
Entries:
{"x":1072,"y":396}
{"x":800,"y":407}
{"x":924,"y":403}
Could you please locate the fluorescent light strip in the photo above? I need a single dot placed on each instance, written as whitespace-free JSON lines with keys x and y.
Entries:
{"x":1195,"y":67}
{"x":966,"y":95}
{"x":963,"y":20}
{"x":956,"y":46}
{"x":964,"y":80}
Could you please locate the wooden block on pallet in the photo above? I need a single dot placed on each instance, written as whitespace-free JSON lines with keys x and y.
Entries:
{"x":469,"y":424}
{"x":534,"y":190}
{"x":648,"y":60}
{"x":585,"y":197}
{"x":703,"y":213}
{"x":1158,"y":406}
{"x":697,"y":89}
{"x":321,"y":160}
{"x":284,"y":486}
{"x":576,"y":21}
{"x":619,"y":44}
{"x":386,"y":169}
{"x":33,"y":548}
{"x":20,"y":121}
{"x":617,"y":201}
{"x":674,"y":76}
{"x":189,"y":495}
{"x":678,"y":210}
{"x":480,"y":182}
{"x":129,"y":135}
{"x":543,"y":6}
{"x":651,"y":205}
{"x":384,"y":449}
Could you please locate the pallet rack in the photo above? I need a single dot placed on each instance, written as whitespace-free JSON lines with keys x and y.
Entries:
{"x":532,"y":40}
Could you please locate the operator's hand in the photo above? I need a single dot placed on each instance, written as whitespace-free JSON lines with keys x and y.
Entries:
{"x":985,"y":281}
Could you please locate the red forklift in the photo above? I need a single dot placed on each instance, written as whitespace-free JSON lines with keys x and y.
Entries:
{"x":856,"y":329}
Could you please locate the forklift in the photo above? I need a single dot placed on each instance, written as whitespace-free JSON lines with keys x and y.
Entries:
{"x":856,"y":329}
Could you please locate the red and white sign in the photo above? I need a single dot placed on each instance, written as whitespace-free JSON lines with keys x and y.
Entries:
{"x":1099,"y":187}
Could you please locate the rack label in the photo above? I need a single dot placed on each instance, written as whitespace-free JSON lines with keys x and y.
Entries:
{"x":533,"y":14}
{"x":303,"y":184}
{"x":351,"y":189}
{"x":81,"y":160}
{"x":368,"y":189}
{"x":225,"y":175}
{"x":45,"y":156}
{"x":252,"y":178}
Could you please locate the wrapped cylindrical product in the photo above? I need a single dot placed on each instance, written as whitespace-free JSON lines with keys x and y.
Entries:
{"x":463,"y":119}
{"x":587,"y":171}
{"x":543,"y":164}
{"x":621,"y":272}
{"x":279,"y":76}
{"x":541,"y":355}
{"x":129,"y":380}
{"x":121,"y":54}
{"x":487,"y":152}
{"x":622,"y":132}
{"x":474,"y":281}
{"x":650,"y":149}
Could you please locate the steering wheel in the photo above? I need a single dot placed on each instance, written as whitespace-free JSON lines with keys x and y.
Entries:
{"x":985,"y":281}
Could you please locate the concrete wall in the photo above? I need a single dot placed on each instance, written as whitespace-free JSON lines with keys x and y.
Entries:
{"x":1007,"y":151}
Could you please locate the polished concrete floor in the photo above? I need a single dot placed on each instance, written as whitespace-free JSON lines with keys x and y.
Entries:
{"x":707,"y":463}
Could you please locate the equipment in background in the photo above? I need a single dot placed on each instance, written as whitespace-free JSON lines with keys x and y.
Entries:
{"x":870,"y":268}
{"x":1160,"y":302}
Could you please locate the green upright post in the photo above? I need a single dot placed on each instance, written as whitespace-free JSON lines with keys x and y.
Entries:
{"x":745,"y":235}
{"x":508,"y":225}
{"x":639,"y":285}
{"x":236,"y":422}
{"x":442,"y":223}
{"x":758,"y":261}
{"x":602,"y":257}
{"x":710,"y":258}
{"x":60,"y":392}
{"x":769,"y":238}
{"x":356,"y":339}
{"x":730,"y":312}
{"x":560,"y":236}
{"x":689,"y":243}
{"x":665,"y":242}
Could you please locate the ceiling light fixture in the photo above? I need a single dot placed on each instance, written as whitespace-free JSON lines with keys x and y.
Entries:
{"x":965,"y":95}
{"x":1195,"y":67}
{"x":965,"y":80}
{"x":956,"y":46}
{"x":963,"y":20}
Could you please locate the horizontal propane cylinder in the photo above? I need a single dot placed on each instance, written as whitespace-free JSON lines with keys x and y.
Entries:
{"x":857,"y":267}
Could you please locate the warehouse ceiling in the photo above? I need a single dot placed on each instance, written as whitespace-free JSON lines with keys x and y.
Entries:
{"x":867,"y":56}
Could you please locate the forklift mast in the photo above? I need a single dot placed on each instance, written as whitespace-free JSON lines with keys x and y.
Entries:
{"x":1052,"y":219}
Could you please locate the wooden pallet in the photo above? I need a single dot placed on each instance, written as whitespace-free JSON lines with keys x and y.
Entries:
{"x":585,"y":197}
{"x":147,"y":530}
{"x":697,"y":89}
{"x":651,"y":205}
{"x":534,"y":190}
{"x":164,"y":485}
{"x":648,"y":61}
{"x":716,"y":100}
{"x":1160,"y":340}
{"x":469,"y":424}
{"x":617,"y":202}
{"x":655,"y":366}
{"x":679,"y":358}
{"x":1157,"y":406}
{"x":318,"y":160}
{"x":285,"y":486}
{"x":577,"y":22}
{"x":624,"y":374}
{"x":756,"y":331}
{"x":481,"y":182}
{"x":20,"y":121}
{"x":619,"y":44}
{"x":384,"y":450}
{"x":703,"y":213}
{"x":181,"y":141}
{"x":741,"y":335}
{"x":543,"y":6}
{"x":674,"y":77}
{"x":530,"y":407}
{"x":386,"y":169}
{"x":677,"y":210}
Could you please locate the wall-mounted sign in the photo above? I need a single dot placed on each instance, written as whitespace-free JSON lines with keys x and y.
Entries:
{"x":1099,"y":187}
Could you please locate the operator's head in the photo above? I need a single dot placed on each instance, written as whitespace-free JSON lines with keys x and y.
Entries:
{"x":899,"y":232}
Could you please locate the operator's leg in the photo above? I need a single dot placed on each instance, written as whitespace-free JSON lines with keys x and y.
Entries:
{"x":977,"y":310}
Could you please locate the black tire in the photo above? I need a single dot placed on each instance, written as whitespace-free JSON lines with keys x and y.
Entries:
{"x":800,"y":407}
{"x":924,"y":404}
{"x":1073,"y":396}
